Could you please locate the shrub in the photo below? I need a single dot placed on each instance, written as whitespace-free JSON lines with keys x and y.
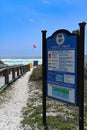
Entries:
{"x":36,"y":74}
{"x":85,"y":72}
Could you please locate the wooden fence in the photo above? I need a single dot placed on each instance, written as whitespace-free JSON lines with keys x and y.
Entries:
{"x":11,"y":73}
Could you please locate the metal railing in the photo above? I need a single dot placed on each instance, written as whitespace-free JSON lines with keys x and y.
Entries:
{"x":11,"y":73}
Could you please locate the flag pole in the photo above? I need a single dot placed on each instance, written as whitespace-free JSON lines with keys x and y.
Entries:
{"x":33,"y":47}
{"x":32,"y":55}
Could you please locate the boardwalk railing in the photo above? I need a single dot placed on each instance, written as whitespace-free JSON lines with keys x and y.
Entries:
{"x":11,"y":73}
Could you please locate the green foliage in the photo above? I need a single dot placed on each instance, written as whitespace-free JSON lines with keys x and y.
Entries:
{"x":56,"y":123}
{"x":76,"y":31}
{"x":34,"y":120}
{"x":36,"y":74}
{"x":85,"y":72}
{"x":1,"y":62}
{"x":33,"y":113}
{"x":4,"y":96}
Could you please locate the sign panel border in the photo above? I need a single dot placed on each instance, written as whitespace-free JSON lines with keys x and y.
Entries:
{"x":59,"y":36}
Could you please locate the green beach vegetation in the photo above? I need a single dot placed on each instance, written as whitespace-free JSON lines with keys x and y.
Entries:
{"x":60,"y":116}
{"x":1,"y":62}
{"x":85,"y":73}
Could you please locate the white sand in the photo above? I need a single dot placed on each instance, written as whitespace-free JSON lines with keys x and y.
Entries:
{"x":11,"y":110}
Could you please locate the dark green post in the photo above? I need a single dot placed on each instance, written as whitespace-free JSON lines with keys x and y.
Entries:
{"x":44,"y":76}
{"x":81,"y":66}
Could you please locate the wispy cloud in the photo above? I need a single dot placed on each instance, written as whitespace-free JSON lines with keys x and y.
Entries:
{"x":31,"y":20}
{"x":75,"y":2}
{"x":46,"y":1}
{"x":69,"y":2}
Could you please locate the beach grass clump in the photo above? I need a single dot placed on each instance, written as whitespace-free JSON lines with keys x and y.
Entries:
{"x":33,"y":115}
{"x":85,"y":72}
{"x":5,"y":95}
{"x":36,"y":74}
{"x":60,"y":116}
{"x":1,"y":62}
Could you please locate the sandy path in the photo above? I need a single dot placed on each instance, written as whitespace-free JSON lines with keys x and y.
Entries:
{"x":10,"y":111}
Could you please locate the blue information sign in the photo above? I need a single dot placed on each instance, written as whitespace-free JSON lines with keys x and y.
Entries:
{"x":61,"y":67}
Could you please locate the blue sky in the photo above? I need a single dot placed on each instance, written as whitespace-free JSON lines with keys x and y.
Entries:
{"x":21,"y":22}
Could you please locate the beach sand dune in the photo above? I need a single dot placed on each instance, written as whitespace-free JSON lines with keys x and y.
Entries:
{"x":11,"y":109}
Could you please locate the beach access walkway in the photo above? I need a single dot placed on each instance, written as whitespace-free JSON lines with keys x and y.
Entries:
{"x":12,"y":102}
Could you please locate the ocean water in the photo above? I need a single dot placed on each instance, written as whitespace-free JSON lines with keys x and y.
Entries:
{"x":20,"y":60}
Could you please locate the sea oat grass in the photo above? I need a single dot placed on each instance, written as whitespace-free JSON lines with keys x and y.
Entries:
{"x":60,"y":116}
